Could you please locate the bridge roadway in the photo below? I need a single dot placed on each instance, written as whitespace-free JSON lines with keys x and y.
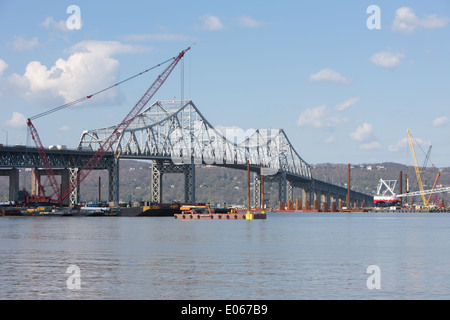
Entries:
{"x":67,"y":163}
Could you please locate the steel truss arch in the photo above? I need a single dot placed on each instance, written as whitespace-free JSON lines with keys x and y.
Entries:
{"x":178,"y":131}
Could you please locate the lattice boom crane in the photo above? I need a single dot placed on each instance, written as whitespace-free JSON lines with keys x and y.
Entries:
{"x":416,"y":168}
{"x":107,"y":145}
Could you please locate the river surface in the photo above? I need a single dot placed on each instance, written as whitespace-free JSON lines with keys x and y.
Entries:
{"x":292,"y":256}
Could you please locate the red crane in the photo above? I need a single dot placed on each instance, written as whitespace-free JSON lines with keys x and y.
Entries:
{"x":107,"y":145}
{"x":434,"y":186}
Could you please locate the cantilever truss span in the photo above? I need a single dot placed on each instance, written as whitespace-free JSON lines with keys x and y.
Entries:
{"x":170,"y":130}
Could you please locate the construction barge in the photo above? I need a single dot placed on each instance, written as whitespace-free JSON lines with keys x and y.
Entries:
{"x":205,"y":212}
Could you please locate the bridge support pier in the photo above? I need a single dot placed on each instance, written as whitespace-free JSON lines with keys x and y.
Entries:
{"x":13,"y":175}
{"x":160,"y":167}
{"x":156,"y":183}
{"x":305,"y":198}
{"x":282,"y":187}
{"x":257,"y":191}
{"x":286,"y":188}
{"x":68,"y":177}
{"x":74,"y":196}
{"x":113,"y":175}
{"x":289,"y":191}
{"x":63,"y":187}
{"x":189,"y":182}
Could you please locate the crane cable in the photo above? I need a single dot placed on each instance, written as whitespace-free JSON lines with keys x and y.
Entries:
{"x":96,"y":93}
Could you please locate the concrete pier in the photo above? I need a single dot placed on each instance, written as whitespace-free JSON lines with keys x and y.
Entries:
{"x":13,"y":175}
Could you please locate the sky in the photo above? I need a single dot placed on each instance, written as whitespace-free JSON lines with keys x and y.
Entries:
{"x":344,"y":79}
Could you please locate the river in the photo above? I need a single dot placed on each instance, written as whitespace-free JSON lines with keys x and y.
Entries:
{"x":288,"y":256}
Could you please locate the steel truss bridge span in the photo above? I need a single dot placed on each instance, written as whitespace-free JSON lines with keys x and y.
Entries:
{"x":177,"y":137}
{"x":169,"y":130}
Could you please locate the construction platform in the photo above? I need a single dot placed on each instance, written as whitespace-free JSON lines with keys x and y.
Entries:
{"x":220,"y":216}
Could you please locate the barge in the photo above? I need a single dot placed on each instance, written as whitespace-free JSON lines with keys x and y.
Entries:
{"x":205,"y":212}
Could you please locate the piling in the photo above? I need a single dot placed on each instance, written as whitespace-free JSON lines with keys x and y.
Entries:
{"x":298,"y":204}
{"x":290,"y":205}
{"x":348,"y":185}
{"x":248,"y":186}
{"x":333,"y":206}
{"x":307,"y":205}
{"x":406,"y":187}
{"x":261,"y":173}
{"x":316,"y":205}
{"x":249,"y":215}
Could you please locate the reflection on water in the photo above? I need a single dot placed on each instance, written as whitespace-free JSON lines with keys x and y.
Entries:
{"x":287,"y":256}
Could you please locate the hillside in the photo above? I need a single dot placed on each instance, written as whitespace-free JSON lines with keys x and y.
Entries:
{"x":223,"y":185}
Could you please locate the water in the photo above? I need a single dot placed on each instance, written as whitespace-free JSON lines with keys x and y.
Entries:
{"x":288,"y":256}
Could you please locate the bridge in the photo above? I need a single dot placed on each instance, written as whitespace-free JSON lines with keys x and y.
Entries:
{"x":177,"y":138}
{"x":65,"y":163}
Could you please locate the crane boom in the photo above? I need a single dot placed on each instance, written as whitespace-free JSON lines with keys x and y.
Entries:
{"x":418,"y":193}
{"x":107,"y":145}
{"x":427,"y":157}
{"x":416,"y":168}
{"x":44,"y":159}
{"x":434,"y":186}
{"x":93,"y":162}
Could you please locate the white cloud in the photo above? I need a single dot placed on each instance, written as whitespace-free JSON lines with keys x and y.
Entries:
{"x":439,"y":122}
{"x":387,"y":59}
{"x":160,"y":37}
{"x":107,"y":48}
{"x":3,"y":67}
{"x":363,"y":133}
{"x":211,"y":23}
{"x":89,"y":68}
{"x":64,"y":128}
{"x":370,"y":146}
{"x":406,"y":21}
{"x":329,"y":75}
{"x":17,"y":120}
{"x":330,"y":140}
{"x":248,"y":22}
{"x":313,"y":117}
{"x":21,"y":43}
{"x":319,"y":117}
{"x":50,"y":23}
{"x":403,"y":143}
{"x":347,"y":103}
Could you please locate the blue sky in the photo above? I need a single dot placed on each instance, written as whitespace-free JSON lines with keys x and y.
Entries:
{"x":342,"y":92}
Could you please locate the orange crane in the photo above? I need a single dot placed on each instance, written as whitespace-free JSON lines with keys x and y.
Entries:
{"x":103,"y":149}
